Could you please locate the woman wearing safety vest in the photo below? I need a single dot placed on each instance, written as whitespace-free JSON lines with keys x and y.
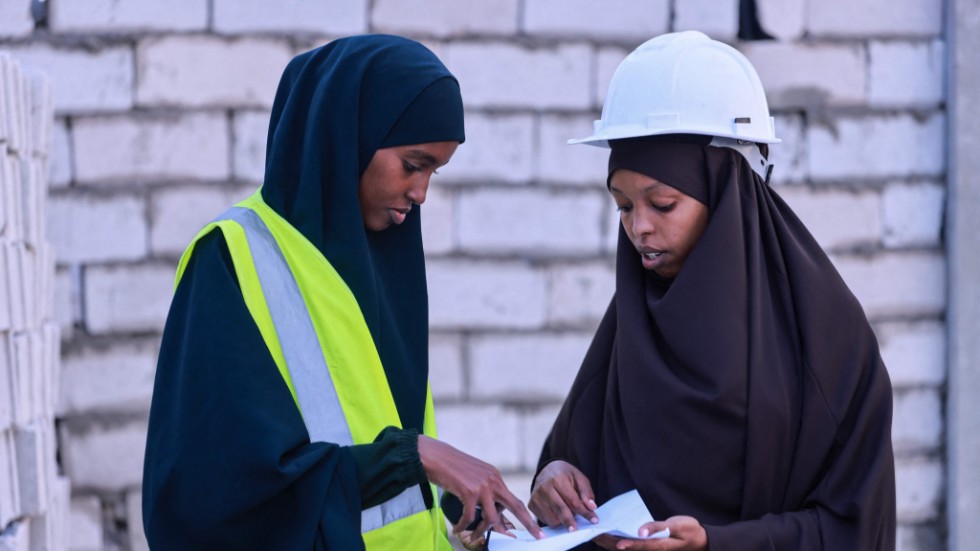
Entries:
{"x":291,"y":408}
{"x":734,"y":380}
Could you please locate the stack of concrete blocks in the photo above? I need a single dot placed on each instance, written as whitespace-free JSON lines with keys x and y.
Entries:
{"x":161,"y":119}
{"x":33,"y":496}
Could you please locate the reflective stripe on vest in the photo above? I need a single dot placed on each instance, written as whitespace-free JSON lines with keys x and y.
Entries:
{"x":319,"y":405}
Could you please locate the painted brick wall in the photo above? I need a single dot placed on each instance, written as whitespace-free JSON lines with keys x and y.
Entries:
{"x":161,"y":119}
{"x":33,"y":494}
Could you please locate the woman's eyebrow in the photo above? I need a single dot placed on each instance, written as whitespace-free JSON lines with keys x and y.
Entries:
{"x":422,"y":156}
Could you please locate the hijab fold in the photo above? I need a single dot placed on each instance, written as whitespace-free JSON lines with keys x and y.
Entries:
{"x":748,"y":391}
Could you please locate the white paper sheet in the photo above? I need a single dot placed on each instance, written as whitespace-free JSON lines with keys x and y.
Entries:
{"x":621,"y":516}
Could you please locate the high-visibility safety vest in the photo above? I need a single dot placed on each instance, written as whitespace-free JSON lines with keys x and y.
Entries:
{"x":313,"y":326}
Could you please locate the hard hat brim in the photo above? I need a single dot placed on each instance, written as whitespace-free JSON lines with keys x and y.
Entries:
{"x":602,"y":139}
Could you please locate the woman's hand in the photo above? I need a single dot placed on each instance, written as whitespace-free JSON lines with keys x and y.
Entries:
{"x":560,"y":492}
{"x":476,"y":541}
{"x":686,"y":534}
{"x":475,"y":483}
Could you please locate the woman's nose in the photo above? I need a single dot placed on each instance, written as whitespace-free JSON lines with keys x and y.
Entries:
{"x":642,"y":225}
{"x":416,"y":193}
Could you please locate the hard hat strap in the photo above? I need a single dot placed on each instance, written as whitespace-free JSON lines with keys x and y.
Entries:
{"x":750,"y":150}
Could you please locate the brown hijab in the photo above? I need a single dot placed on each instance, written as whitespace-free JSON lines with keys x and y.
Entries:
{"x":747,"y":392}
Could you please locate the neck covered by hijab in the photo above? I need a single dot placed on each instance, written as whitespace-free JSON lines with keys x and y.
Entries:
{"x":748,"y":391}
{"x":335,"y":106}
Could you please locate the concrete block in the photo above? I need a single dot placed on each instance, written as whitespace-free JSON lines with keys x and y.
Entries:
{"x":608,"y":59}
{"x":134,"y":516}
{"x":446,"y":366}
{"x":42,"y":113}
{"x":10,"y":195}
{"x":127,"y":298}
{"x":579,"y":294}
{"x":178,"y":214}
{"x":151,"y":148}
{"x":783,"y":19}
{"x":906,"y":73}
{"x":51,"y":343}
{"x":32,"y":470}
{"x":559,"y":162}
{"x":838,"y":219}
{"x":6,"y":387}
{"x":633,"y":20}
{"x":836,"y":74}
{"x":202,"y":70}
{"x":59,"y":162}
{"x":86,"y":524}
{"x":9,"y":481}
{"x":877,"y":146}
{"x":337,"y":18}
{"x":921,"y":537}
{"x":33,"y":193}
{"x":719,"y":20}
{"x":97,"y":228}
{"x":83,"y":80}
{"x":18,"y":352}
{"x":530,"y":367}
{"x":114,"y":16}
{"x":501,"y":294}
{"x":251,"y":129}
{"x":15,"y":284}
{"x":501,"y":74}
{"x":13,"y":95}
{"x":105,"y":457}
{"x":537,"y":222}
{"x":886,"y":18}
{"x":58,"y":515}
{"x":5,"y":299}
{"x":498,"y":148}
{"x":917,"y":423}
{"x":789,"y":157}
{"x":108,"y":378}
{"x":438,"y":218}
{"x":919,"y":489}
{"x":535,"y":426}
{"x":16,"y":536}
{"x":67,"y":309}
{"x":896,"y":284}
{"x":914,"y":352}
{"x":913,"y":215}
{"x":490,"y":432}
{"x":15,"y":18}
{"x":444,"y":18}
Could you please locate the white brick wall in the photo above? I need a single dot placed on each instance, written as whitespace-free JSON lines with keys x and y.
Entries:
{"x":783,"y":19}
{"x":609,"y":19}
{"x":529,"y":367}
{"x":82,"y":80}
{"x":835,"y":75}
{"x":718,"y":19}
{"x":916,"y":283}
{"x":178,"y":214}
{"x":906,"y":73}
{"x":489,"y":432}
{"x":107,"y":379}
{"x":445,"y":17}
{"x":500,"y":74}
{"x":530,"y":221}
{"x":875,"y":18}
{"x":198,"y":71}
{"x":152,"y":148}
{"x":915,"y":352}
{"x":251,"y":130}
{"x":917,"y":423}
{"x":919,"y":485}
{"x":876,"y":147}
{"x":578,"y":295}
{"x":127,"y":298}
{"x":559,"y":162}
{"x":438,"y":218}
{"x":788,"y":157}
{"x":446,"y":366}
{"x":107,"y":458}
{"x":97,"y":228}
{"x":497,"y":148}
{"x":485,"y":295}
{"x":837,"y":219}
{"x":128,"y":15}
{"x":15,"y":18}
{"x":913,"y":215}
{"x":338,"y":17}
{"x":86,"y":524}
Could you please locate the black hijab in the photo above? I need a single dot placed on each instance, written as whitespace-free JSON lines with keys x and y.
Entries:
{"x":335,"y":107}
{"x":748,"y":391}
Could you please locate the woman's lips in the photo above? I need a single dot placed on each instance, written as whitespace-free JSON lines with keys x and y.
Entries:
{"x":398,"y":215}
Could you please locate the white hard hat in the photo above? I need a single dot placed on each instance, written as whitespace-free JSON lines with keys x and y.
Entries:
{"x":685,"y":83}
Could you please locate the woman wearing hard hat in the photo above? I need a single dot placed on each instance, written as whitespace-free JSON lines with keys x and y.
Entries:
{"x":734,"y":380}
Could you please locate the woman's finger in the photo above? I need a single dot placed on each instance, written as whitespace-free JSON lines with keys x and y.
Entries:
{"x":571,"y":494}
